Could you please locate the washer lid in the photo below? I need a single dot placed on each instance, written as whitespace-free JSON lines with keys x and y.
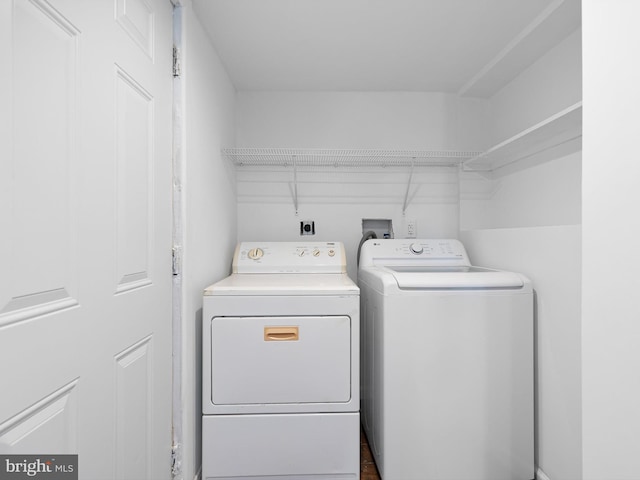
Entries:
{"x":456,"y":278}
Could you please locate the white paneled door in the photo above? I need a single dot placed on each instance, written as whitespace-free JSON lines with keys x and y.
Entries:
{"x":85,"y":233}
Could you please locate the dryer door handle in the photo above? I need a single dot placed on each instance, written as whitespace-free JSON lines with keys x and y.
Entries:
{"x":280,"y":334}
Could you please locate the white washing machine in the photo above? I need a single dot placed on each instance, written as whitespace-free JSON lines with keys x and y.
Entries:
{"x":281,"y":366}
{"x":447,"y":364}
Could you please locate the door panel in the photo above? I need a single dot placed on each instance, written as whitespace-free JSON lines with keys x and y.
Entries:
{"x":49,"y":422}
{"x":38,"y":213}
{"x":85,"y":205}
{"x":134,"y":182}
{"x":133,"y":409}
{"x":136,"y":17}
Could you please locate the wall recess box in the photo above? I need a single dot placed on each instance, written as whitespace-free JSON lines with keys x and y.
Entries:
{"x":382,"y":227}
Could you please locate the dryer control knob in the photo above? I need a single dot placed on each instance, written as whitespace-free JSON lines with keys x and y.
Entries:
{"x":416,"y":248}
{"x":255,"y":253}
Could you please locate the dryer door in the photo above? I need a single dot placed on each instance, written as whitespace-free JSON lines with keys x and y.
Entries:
{"x":280,"y":360}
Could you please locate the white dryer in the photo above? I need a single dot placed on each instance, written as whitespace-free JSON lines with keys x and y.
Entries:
{"x":281,"y":366}
{"x":447,"y":364}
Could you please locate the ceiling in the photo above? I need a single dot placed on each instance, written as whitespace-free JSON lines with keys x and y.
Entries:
{"x":468,"y":47}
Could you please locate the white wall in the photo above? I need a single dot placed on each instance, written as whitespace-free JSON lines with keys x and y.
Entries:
{"x":551,"y":84}
{"x":338,"y":199}
{"x":340,"y":222}
{"x":529,"y":221}
{"x":611,"y":228}
{"x":369,"y":120}
{"x":547,"y":194}
{"x":210,"y":208}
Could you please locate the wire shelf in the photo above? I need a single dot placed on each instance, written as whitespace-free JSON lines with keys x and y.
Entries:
{"x":296,"y":158}
{"x":344,"y":158}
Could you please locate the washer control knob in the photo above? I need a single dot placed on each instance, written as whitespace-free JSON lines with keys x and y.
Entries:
{"x":255,"y":253}
{"x":416,"y":248}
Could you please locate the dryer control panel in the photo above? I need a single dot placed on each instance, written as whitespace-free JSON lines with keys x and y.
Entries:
{"x":427,"y":252}
{"x":289,"y":257}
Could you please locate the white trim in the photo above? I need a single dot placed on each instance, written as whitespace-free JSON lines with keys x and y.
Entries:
{"x":178,"y":238}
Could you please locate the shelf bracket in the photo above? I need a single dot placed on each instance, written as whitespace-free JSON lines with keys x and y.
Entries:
{"x":295,"y":183}
{"x":406,"y":194}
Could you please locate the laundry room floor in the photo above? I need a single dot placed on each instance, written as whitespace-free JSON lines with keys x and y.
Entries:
{"x":368,"y":470}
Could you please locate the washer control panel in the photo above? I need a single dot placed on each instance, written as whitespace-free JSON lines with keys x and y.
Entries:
{"x":413,"y":252}
{"x":289,"y":257}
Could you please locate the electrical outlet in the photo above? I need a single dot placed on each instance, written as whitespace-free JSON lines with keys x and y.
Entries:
{"x":307,"y":227}
{"x":412,"y":228}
